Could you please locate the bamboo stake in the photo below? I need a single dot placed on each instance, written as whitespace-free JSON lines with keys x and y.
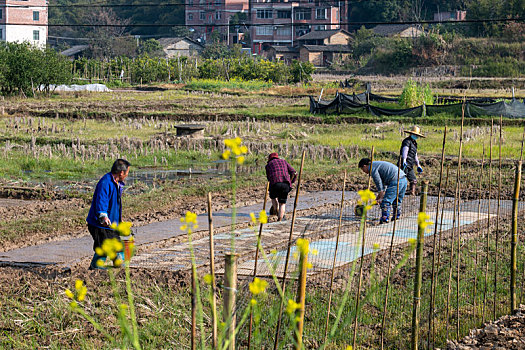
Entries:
{"x":474,"y":294}
{"x":514,"y":242}
{"x":488,"y":226}
{"x":256,"y":262}
{"x":418,"y":277}
{"x":278,"y":328}
{"x":521,"y":157}
{"x":335,"y":256}
{"x":301,"y":298}
{"x":383,"y":321}
{"x":230,"y":285}
{"x":433,"y":276}
{"x":363,"y":240}
{"x":458,"y":195}
{"x":212,"y":273}
{"x":497,"y":223}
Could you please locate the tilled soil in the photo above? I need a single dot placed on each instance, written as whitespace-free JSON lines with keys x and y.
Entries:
{"x":506,"y":333}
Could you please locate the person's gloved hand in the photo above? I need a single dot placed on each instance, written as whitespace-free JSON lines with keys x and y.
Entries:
{"x":419,"y":169}
{"x":404,"y":165}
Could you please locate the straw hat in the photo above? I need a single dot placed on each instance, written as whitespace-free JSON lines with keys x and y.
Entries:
{"x":415,"y":130}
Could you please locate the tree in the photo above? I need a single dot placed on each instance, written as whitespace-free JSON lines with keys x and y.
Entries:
{"x":107,"y":33}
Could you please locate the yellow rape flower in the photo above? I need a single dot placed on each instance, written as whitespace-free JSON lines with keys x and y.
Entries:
{"x":292,"y":306}
{"x":303,"y":246}
{"x":422,"y":220}
{"x":190,"y":222}
{"x":236,"y":148}
{"x":123,"y":229}
{"x":70,"y":294}
{"x":253,"y":302}
{"x":78,"y":295}
{"x":208,"y":279}
{"x":376,"y":246}
{"x":366,"y":195}
{"x":257,"y":286}
{"x":110,"y":248}
{"x":314,"y":251}
{"x":263,"y":218}
{"x":254,"y":219}
{"x":349,"y":347}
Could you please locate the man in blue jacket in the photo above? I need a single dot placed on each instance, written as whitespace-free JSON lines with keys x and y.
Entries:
{"x":384,"y":175}
{"x":106,"y":207}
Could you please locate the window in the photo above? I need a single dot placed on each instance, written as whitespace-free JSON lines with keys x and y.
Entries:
{"x":301,"y":14}
{"x":264,"y":30}
{"x":217,"y":2}
{"x":190,"y":2}
{"x":1,"y":34}
{"x":36,"y":35}
{"x":202,"y":16}
{"x":0,"y":13}
{"x":320,"y":13}
{"x":190,"y":16}
{"x":320,"y":27}
{"x":264,"y":13}
{"x":284,"y":14}
{"x":218,"y":15}
{"x":284,"y":31}
{"x":36,"y":16}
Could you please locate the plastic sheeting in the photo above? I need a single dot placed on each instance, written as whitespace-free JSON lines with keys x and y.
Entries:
{"x":343,"y":103}
{"x":74,"y":87}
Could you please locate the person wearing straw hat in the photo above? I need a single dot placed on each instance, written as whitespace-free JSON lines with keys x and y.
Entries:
{"x":281,"y":176}
{"x":408,"y":157}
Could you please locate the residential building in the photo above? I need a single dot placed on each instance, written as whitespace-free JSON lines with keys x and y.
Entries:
{"x":204,"y":17}
{"x":282,"y":53}
{"x":450,"y":16}
{"x":179,"y":46}
{"x":325,"y":37}
{"x":281,"y":23}
{"x":24,"y":21}
{"x":324,"y":55}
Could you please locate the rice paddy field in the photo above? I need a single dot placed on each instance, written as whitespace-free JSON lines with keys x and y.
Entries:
{"x":53,"y":150}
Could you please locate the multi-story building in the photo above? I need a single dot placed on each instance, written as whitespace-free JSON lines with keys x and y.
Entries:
{"x":207,"y":16}
{"x":281,"y":23}
{"x":24,"y":20}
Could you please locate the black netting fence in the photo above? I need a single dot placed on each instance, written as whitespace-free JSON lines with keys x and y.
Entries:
{"x":348,"y":104}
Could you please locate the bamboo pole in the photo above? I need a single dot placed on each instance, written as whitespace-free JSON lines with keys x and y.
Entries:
{"x":361,"y":261}
{"x":230,"y":285}
{"x":387,"y":287}
{"x":418,"y":277}
{"x":278,"y":328}
{"x":335,"y":256}
{"x":458,"y":195}
{"x":474,"y":294}
{"x":521,"y":157}
{"x":497,"y":222}
{"x":433,"y":276}
{"x":514,"y":242}
{"x":485,"y":291}
{"x":212,"y":273}
{"x":256,"y":262}
{"x":301,"y":298}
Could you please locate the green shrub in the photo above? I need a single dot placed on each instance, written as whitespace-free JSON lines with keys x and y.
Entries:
{"x":415,"y":95}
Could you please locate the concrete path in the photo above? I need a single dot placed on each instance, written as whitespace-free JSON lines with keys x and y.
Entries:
{"x":72,"y":250}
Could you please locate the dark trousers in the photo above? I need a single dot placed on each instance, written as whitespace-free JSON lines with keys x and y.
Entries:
{"x":100,"y":234}
{"x":411,"y":175}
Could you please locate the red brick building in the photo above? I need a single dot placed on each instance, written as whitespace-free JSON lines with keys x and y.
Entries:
{"x":208,"y":16}
{"x":24,"y":20}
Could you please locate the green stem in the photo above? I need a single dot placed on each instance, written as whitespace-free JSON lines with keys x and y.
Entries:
{"x":197,"y":291}
{"x":94,"y":323}
{"x":135,"y":340}
{"x":234,"y":206}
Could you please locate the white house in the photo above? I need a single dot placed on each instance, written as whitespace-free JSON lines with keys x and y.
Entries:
{"x":24,"y":21}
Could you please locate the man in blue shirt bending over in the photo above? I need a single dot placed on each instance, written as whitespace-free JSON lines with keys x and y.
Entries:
{"x":384,"y":175}
{"x":106,"y":207}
